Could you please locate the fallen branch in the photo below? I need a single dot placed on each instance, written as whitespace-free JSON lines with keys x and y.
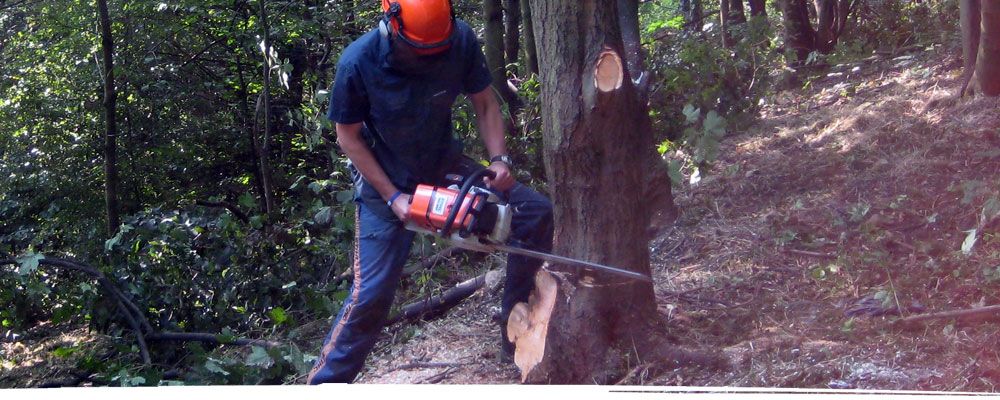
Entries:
{"x":425,"y":365}
{"x":208,"y":338}
{"x":437,"y":305}
{"x":439,"y":377}
{"x":810,"y":254}
{"x":136,"y":321}
{"x":985,"y":313}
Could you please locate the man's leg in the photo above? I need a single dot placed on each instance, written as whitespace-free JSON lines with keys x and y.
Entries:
{"x":531,"y":228}
{"x":380,"y":250}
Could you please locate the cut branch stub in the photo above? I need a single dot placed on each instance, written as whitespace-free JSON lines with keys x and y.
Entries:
{"x":608,"y":73}
{"x":528,"y":324}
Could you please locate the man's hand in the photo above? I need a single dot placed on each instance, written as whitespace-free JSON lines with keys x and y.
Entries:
{"x":504,"y":180}
{"x":401,"y":206}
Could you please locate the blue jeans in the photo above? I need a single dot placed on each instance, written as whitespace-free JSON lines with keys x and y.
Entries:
{"x":381,"y":249}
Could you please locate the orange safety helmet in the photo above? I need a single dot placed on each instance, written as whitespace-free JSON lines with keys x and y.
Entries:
{"x":425,"y":25}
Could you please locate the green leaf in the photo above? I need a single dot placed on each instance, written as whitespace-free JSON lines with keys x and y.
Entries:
{"x":345,"y":196}
{"x":664,"y":147}
{"x":63,"y":352}
{"x":990,"y":211}
{"x":246,"y":200}
{"x":28,"y":263}
{"x":969,"y":242}
{"x":691,"y":114}
{"x":278,"y":315}
{"x":714,"y":124}
{"x":323,"y":216}
{"x":317,"y":186}
{"x":674,"y":171}
{"x":227,"y":336}
{"x":213,"y":366}
{"x":322,"y":95}
{"x":259,"y":358}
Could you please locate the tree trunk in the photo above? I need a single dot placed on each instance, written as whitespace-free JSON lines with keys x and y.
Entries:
{"x":530,"y":55}
{"x":724,"y":20}
{"x":843,"y":11}
{"x":969,"y":15}
{"x":692,"y":11}
{"x":512,"y":29}
{"x":758,"y":8}
{"x":730,"y":14}
{"x":495,"y":61}
{"x":597,"y":140}
{"x":264,"y":147}
{"x":737,"y":13}
{"x":799,"y":35}
{"x":988,"y":64}
{"x":111,"y":128}
{"x":826,"y":25}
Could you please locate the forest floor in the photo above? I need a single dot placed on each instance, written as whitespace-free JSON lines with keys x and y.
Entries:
{"x":843,"y":207}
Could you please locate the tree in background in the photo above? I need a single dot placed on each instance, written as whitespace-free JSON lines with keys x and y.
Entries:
{"x":802,"y":37}
{"x":110,"y":120}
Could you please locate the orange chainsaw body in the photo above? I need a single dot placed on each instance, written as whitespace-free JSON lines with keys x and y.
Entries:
{"x":430,"y":207}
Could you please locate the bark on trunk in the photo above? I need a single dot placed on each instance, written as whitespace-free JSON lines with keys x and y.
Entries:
{"x":731,"y":14}
{"x":988,"y":65}
{"x":799,"y":35}
{"x":826,"y":12}
{"x":264,"y":147}
{"x":969,"y":20}
{"x":692,"y":11}
{"x":493,"y":12}
{"x":597,"y":142}
{"x":727,"y":39}
{"x":757,"y":8}
{"x":737,"y":13}
{"x":512,"y":29}
{"x":530,"y":55}
{"x":110,"y":121}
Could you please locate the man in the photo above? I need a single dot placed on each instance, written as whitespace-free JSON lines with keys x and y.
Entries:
{"x":391,"y":102}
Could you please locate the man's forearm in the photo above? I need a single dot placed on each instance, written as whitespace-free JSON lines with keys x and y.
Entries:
{"x":490,"y":122}
{"x":350,"y":141}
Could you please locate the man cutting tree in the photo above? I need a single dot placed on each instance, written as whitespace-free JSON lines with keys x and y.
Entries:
{"x":391,"y":101}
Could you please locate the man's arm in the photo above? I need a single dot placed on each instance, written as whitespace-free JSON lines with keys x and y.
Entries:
{"x":354,"y":146}
{"x":491,"y":130}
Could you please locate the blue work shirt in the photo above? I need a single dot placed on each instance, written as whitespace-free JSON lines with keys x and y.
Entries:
{"x":406,"y":115}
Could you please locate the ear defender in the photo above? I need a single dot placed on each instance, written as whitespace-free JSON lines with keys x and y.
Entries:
{"x":385,"y":24}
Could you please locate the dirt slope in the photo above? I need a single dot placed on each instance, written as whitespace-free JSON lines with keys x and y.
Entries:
{"x":840,"y":209}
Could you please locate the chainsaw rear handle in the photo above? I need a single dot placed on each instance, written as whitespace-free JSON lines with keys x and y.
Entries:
{"x":469,"y":182}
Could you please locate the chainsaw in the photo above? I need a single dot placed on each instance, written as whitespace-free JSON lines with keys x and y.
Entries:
{"x":480,"y":222}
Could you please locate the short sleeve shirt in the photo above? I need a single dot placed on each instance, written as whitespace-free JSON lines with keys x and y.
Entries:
{"x":406,"y":116}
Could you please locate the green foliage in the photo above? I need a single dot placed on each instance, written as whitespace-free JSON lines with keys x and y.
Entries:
{"x":700,"y":87}
{"x":893,"y":24}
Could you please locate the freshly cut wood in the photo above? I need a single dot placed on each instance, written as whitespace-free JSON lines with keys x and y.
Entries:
{"x":608,"y":74}
{"x":528,"y":324}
